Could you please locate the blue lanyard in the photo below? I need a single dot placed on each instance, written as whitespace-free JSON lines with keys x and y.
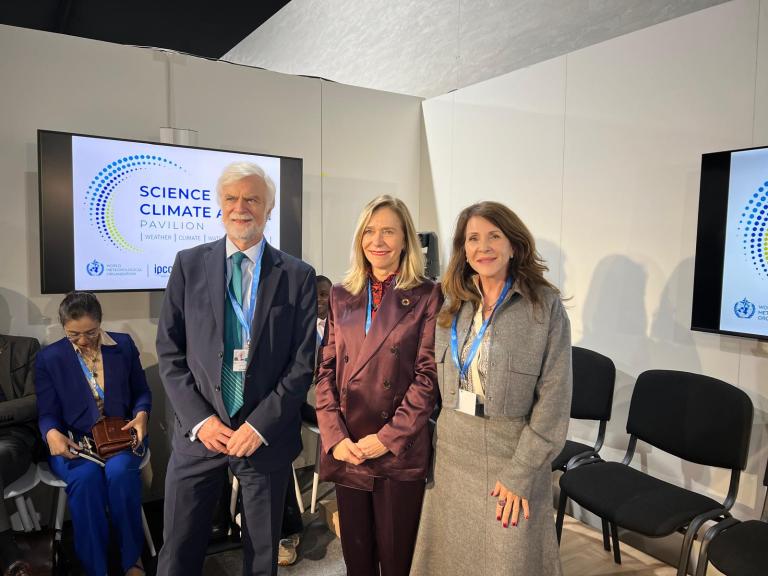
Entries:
{"x":248,"y":313}
{"x":463,"y":369}
{"x":90,"y":377}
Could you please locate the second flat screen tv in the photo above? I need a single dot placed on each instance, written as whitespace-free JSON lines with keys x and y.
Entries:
{"x":730,"y":291}
{"x":114,"y":213}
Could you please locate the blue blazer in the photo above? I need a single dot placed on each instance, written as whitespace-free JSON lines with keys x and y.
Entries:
{"x":64,"y":398}
{"x":190,"y":350}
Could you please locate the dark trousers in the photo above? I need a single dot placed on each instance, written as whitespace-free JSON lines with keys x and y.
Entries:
{"x":378,"y":528}
{"x":292,"y":523}
{"x":192,"y":489}
{"x":16,"y":447}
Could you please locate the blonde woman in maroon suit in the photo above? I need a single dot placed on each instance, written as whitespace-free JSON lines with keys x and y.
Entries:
{"x":376,"y":388}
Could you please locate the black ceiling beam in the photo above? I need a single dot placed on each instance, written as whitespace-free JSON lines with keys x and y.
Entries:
{"x":198,"y":27}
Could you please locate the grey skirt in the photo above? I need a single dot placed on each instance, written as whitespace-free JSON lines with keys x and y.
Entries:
{"x":459,"y":533}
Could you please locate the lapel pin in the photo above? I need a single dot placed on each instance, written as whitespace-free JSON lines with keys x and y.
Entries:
{"x":405,"y":302}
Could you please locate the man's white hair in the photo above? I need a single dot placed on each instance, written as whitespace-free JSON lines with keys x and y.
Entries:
{"x":239,"y":170}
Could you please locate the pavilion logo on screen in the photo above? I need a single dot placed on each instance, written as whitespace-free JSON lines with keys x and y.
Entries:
{"x":752,"y":230}
{"x":744,"y":309}
{"x":106,"y":183}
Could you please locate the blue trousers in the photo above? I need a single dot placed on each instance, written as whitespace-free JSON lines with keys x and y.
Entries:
{"x":91,"y":492}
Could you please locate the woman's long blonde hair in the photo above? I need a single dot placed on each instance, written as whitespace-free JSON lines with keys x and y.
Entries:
{"x":527,"y":266}
{"x":411,"y":272}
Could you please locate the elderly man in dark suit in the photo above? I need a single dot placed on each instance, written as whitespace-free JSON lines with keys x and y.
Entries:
{"x":18,"y":432}
{"x":236,"y":347}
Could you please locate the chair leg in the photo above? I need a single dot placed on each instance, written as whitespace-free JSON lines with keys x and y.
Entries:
{"x":315,"y":484}
{"x":33,"y":513}
{"x":701,"y":565}
{"x":233,"y":498}
{"x":703,"y":561}
{"x":297,"y":488}
{"x":233,"y":504}
{"x":690,"y":535}
{"x":615,"y":538}
{"x":560,"y":514}
{"x":21,"y":507}
{"x":61,"y":503}
{"x":606,"y":535}
{"x":148,"y":534}
{"x":315,"y":478}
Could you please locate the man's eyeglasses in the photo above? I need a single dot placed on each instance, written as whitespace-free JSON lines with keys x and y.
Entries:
{"x":90,"y":334}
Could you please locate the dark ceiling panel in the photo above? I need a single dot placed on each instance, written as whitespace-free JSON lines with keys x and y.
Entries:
{"x":199,"y":27}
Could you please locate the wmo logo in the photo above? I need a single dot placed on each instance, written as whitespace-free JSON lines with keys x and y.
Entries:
{"x":94,"y":268}
{"x":744,"y":309}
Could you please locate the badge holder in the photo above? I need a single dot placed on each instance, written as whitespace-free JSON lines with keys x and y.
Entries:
{"x":87,"y":450}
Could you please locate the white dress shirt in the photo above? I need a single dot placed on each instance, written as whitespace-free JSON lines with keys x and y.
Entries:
{"x":247,"y":267}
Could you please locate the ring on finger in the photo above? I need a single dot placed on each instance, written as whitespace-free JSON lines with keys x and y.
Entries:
{"x":503,"y":502}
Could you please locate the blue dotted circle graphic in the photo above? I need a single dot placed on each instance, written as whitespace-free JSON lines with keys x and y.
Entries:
{"x":751,"y":230}
{"x":107,"y":180}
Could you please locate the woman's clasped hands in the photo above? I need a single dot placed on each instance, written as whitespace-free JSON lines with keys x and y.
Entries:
{"x":367,"y":448}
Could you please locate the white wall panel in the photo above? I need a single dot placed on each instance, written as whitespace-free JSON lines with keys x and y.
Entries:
{"x":371,"y":146}
{"x":641,"y":111}
{"x":620,"y":179}
{"x":508,"y":147}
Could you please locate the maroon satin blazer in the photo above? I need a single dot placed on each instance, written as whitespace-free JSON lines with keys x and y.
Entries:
{"x":384,"y":383}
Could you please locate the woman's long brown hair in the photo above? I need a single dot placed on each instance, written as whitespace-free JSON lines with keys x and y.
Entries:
{"x":527,"y":266}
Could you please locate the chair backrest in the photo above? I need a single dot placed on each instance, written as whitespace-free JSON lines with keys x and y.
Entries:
{"x":694,"y":417}
{"x":594,"y":376}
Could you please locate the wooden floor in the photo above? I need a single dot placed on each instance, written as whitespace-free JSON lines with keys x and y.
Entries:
{"x":582,"y":554}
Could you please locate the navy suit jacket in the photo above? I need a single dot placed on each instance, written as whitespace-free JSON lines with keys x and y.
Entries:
{"x":64,"y":398}
{"x":190,"y":349}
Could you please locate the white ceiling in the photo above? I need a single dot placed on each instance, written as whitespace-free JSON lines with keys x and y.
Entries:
{"x":430,"y":47}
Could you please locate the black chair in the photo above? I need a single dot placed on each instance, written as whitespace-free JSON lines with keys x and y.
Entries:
{"x":693,"y":417}
{"x":737,"y":548}
{"x":594,"y":376}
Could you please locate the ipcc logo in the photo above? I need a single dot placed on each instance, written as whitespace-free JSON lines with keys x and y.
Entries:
{"x":94,"y":268}
{"x":744,"y":309}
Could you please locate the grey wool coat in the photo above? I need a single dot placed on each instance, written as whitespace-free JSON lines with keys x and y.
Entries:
{"x":527,"y":408}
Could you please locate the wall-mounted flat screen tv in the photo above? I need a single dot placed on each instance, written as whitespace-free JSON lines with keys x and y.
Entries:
{"x":730,"y":291}
{"x":114,"y":213}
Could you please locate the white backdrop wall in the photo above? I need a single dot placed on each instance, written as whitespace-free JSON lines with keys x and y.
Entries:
{"x":599,"y":152}
{"x":366,"y":142}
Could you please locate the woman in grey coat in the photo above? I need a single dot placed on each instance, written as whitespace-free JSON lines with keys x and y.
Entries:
{"x":503,"y":351}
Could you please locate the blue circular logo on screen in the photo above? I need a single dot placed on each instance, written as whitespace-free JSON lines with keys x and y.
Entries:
{"x":752,"y":224}
{"x":100,"y":195}
{"x":94,"y":268}
{"x":744,"y":309}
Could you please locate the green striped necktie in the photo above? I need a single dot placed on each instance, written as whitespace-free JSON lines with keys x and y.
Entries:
{"x":232,"y":382}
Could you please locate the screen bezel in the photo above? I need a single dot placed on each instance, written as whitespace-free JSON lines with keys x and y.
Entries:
{"x":54,"y":156}
{"x":710,"y":244}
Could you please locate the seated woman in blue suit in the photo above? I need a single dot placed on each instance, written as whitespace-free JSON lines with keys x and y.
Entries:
{"x":86,"y":375}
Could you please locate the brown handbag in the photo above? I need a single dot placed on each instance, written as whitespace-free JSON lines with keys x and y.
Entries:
{"x":110,"y":439}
